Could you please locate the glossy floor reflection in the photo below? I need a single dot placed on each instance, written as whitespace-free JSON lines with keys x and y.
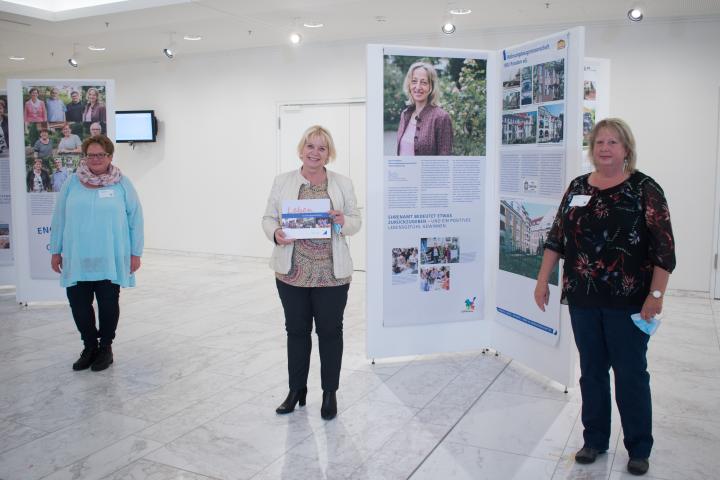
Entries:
{"x":200,"y":367}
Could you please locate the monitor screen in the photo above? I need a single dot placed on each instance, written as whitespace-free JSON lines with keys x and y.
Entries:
{"x":135,"y":126}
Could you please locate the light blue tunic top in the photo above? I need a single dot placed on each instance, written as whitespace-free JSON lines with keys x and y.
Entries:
{"x":97,"y":230}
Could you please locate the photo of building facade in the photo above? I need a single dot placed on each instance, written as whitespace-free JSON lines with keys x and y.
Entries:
{"x":549,"y":81}
{"x":522,"y":236}
{"x":519,"y":128}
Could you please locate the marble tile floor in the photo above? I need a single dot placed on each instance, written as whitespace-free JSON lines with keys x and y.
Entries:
{"x":200,"y":366}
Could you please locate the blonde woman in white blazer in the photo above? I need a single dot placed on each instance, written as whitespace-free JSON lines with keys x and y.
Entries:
{"x":313,"y":276}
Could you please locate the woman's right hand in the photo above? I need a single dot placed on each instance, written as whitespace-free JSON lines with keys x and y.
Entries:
{"x":280,"y":238}
{"x":56,"y":262}
{"x":542,"y":294}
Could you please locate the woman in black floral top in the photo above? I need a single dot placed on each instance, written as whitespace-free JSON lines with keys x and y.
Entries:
{"x":613,"y":231}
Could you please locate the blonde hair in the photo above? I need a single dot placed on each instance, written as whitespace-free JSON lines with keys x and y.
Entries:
{"x":434,"y":95}
{"x":317,"y":131}
{"x":625,"y":135}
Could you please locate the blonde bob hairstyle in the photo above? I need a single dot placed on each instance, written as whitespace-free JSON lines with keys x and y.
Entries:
{"x":434,"y":95}
{"x":625,"y":135}
{"x":317,"y":131}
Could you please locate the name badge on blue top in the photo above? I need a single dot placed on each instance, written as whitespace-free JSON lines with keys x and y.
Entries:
{"x":106,"y":193}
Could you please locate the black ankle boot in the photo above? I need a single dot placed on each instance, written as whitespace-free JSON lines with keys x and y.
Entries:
{"x":329,"y":406}
{"x":294,"y":396}
{"x":103,"y":359}
{"x":87,"y":357}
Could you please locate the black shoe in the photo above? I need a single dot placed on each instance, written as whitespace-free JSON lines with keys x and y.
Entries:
{"x":587,"y":455}
{"x":104,"y":358}
{"x":638,"y":466}
{"x":293,"y":397}
{"x":87,"y":357}
{"x":329,"y":406}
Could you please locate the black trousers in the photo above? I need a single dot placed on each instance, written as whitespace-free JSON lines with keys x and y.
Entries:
{"x":81,"y":303}
{"x":301,"y":305}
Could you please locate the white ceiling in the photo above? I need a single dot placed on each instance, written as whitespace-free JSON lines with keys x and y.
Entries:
{"x":135,"y":29}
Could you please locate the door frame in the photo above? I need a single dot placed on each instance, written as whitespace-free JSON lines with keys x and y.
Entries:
{"x":301,"y":104}
{"x":714,"y":271}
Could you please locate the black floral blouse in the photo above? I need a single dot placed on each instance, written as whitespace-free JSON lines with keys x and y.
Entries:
{"x":611,"y":244}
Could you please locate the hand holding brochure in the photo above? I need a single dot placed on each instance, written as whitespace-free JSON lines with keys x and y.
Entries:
{"x":647,"y":327}
{"x":306,"y":218}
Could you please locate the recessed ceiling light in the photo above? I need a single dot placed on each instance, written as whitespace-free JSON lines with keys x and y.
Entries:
{"x":16,"y":59}
{"x":448,"y":28}
{"x":313,"y":25}
{"x":95,"y":48}
{"x":295,"y":38}
{"x":460,"y":11}
{"x":635,"y":14}
{"x":192,"y":38}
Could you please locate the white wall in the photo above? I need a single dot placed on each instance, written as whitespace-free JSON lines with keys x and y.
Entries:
{"x":205,"y":182}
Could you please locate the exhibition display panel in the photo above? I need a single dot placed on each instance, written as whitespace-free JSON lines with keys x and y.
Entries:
{"x":461,"y":195}
{"x":49,"y":119}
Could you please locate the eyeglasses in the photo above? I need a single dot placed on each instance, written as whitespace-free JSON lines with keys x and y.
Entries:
{"x":96,"y":156}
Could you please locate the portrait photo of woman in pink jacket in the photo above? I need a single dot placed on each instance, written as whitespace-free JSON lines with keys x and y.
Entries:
{"x":425,"y":128}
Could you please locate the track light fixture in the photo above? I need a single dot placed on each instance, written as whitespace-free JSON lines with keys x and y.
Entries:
{"x":295,"y":38}
{"x":635,"y":14}
{"x":448,"y":28}
{"x":169,"y":50}
{"x":72,"y":61}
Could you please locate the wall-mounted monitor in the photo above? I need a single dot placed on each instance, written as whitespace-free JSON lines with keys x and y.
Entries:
{"x":133,"y":126}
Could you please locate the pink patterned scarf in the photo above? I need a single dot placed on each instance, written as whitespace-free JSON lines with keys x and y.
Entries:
{"x":111,"y":177}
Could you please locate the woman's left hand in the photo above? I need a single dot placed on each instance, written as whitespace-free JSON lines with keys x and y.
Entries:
{"x":337,"y":217}
{"x":651,"y":307}
{"x":134,"y":263}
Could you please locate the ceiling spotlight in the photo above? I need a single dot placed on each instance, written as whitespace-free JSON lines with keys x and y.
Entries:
{"x":16,"y":59}
{"x":95,"y":48}
{"x":635,"y":14}
{"x":192,"y":38}
{"x":72,"y":61}
{"x":313,"y":25}
{"x":295,"y":38}
{"x":169,"y":51}
{"x":460,"y":11}
{"x":448,"y":28}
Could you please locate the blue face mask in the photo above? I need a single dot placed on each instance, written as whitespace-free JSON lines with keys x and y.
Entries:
{"x":647,"y":327}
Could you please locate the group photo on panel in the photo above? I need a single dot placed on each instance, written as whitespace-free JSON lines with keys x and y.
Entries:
{"x":56,"y":119}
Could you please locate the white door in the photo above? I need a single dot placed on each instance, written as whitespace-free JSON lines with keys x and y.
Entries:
{"x":346,"y":122}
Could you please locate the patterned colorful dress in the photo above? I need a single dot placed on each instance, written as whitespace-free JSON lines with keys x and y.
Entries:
{"x":312,"y":260}
{"x":612,"y":243}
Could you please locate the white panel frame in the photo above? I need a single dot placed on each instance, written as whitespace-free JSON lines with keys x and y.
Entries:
{"x":7,"y":270}
{"x":382,"y":341}
{"x":28,"y":289}
{"x":556,"y":362}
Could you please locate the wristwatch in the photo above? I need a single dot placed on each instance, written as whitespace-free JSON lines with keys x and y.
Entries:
{"x":656,"y":294}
